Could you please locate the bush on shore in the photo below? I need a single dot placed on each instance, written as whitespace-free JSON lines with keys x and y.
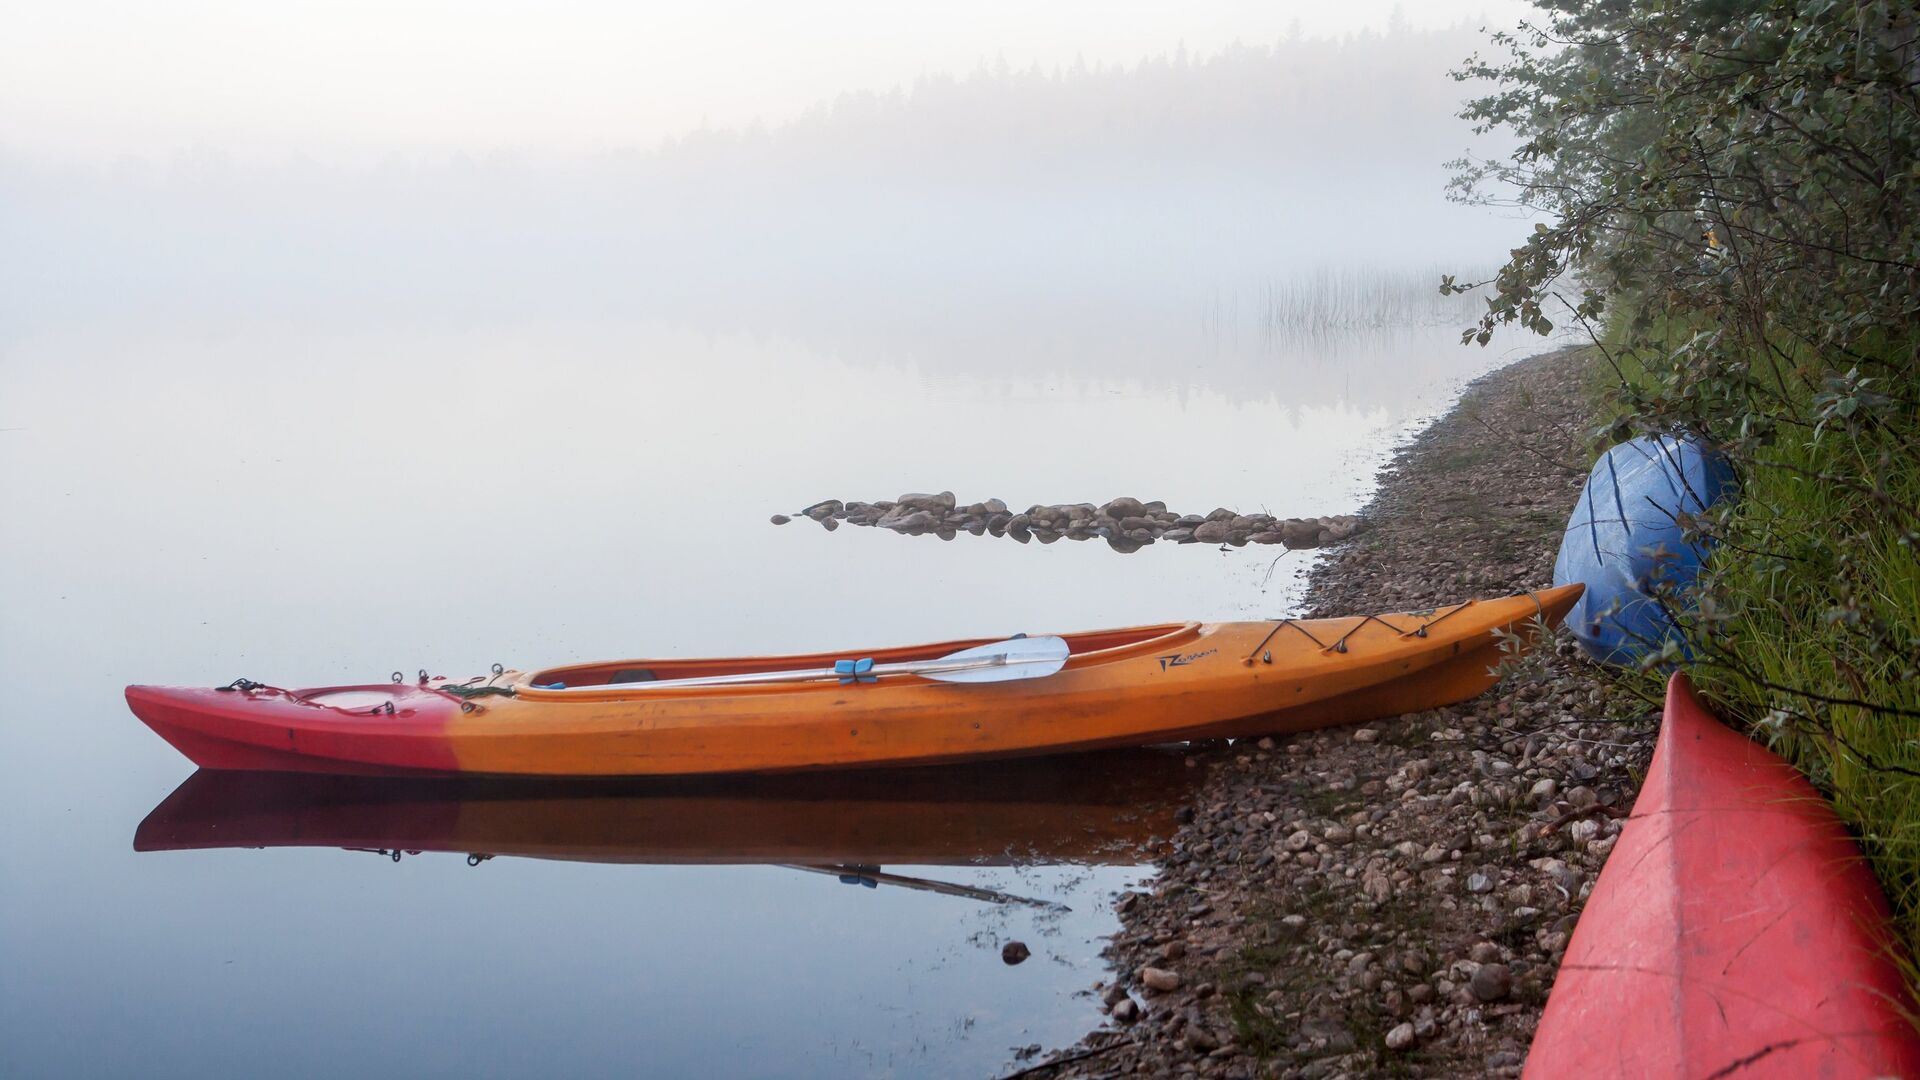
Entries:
{"x":1733,"y":190}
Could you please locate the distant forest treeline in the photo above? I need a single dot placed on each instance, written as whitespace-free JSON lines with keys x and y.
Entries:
{"x":1151,"y":184}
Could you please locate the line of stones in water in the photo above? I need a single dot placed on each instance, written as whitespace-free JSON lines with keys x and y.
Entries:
{"x":1126,"y":524}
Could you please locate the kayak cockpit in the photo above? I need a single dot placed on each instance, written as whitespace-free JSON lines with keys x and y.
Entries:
{"x":1090,"y":647}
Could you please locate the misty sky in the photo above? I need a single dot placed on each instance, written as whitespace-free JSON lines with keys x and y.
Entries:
{"x":344,"y":80}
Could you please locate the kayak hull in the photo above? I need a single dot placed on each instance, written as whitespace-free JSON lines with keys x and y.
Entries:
{"x":1118,"y":688}
{"x":1735,"y":931}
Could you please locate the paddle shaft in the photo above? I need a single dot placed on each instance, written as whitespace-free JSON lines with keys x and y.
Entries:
{"x":910,"y":667}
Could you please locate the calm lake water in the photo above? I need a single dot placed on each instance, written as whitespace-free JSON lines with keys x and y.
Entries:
{"x":318,"y":498}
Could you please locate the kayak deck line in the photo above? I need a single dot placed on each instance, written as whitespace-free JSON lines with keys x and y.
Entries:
{"x":1130,"y":686}
{"x":1340,"y":644}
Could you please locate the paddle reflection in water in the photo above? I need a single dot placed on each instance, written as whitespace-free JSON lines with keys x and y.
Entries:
{"x":1104,"y":808}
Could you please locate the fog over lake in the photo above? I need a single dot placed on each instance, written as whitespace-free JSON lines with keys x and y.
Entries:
{"x":312,"y":418}
{"x":1025,"y":193}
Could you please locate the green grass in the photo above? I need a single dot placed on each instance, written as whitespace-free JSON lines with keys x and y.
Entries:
{"x":1839,"y":623}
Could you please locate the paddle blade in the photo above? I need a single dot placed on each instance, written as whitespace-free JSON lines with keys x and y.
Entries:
{"x":1021,"y":658}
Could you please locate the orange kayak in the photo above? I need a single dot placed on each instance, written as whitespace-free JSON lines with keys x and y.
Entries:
{"x":1129,"y":687}
{"x":1735,"y":931}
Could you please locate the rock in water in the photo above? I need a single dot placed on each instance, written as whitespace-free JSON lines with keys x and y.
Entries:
{"x":1212,"y":532}
{"x":913,"y":500}
{"x":1298,"y":533}
{"x":1125,"y":522}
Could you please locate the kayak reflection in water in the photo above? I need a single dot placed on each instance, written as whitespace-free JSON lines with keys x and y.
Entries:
{"x":1096,"y":809}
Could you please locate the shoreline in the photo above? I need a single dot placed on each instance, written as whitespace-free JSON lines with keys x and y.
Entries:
{"x":1394,"y":897}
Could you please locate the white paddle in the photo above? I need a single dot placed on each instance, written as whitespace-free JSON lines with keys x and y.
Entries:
{"x":999,"y":661}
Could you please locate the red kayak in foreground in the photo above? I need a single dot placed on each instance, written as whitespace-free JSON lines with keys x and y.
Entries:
{"x":1735,"y":932}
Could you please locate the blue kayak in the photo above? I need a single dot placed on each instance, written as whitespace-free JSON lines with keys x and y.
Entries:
{"x":1626,"y":544}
